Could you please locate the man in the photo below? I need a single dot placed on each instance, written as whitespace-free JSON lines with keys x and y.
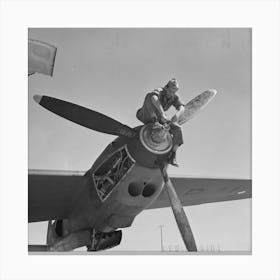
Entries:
{"x":153,"y":110}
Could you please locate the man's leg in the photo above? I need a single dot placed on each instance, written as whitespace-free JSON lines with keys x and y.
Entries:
{"x":176,"y":131}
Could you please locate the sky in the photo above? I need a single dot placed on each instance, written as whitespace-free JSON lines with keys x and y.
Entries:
{"x":110,"y":71}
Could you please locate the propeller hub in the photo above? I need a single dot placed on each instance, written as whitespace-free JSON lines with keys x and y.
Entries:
{"x":156,"y":138}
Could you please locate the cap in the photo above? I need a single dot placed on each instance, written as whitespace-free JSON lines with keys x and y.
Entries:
{"x":173,"y":83}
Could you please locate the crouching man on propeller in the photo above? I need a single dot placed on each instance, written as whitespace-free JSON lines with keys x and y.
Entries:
{"x":155,"y":105}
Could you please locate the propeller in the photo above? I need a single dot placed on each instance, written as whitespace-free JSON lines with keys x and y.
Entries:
{"x":196,"y":104}
{"x":84,"y":117}
{"x":179,"y":213}
{"x":191,"y":108}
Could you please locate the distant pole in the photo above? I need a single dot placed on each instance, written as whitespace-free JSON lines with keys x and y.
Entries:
{"x":161,"y":241}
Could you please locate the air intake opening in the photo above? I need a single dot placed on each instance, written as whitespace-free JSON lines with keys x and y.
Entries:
{"x":135,"y":189}
{"x":148,"y":190}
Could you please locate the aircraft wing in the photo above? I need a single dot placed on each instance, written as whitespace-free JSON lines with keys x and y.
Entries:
{"x":194,"y":191}
{"x":51,"y":194}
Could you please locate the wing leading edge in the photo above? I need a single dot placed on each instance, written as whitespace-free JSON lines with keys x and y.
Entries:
{"x":195,"y":191}
{"x":51,"y":194}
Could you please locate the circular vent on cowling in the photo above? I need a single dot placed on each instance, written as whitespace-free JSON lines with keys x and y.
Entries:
{"x":148,"y":190}
{"x":135,"y":189}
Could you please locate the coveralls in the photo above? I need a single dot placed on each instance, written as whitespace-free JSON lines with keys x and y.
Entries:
{"x":148,"y":113}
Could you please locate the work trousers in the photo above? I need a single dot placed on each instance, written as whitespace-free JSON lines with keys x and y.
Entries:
{"x":176,"y":132}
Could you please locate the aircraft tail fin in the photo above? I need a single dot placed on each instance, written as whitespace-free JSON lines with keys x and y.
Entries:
{"x":41,"y":57}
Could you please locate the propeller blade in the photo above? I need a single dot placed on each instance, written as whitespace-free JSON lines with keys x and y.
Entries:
{"x":196,"y":104}
{"x":84,"y":117}
{"x":179,"y":213}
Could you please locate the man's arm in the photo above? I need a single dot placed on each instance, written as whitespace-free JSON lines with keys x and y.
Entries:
{"x":179,"y":113}
{"x":156,"y":103}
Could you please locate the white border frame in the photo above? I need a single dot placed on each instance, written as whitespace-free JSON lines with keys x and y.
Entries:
{"x":261,"y":16}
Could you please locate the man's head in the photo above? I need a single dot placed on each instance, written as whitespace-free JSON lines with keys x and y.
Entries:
{"x":172,"y":86}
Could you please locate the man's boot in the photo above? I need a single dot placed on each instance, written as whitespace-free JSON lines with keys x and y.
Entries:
{"x":172,"y":159}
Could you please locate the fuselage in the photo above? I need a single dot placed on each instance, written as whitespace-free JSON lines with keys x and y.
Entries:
{"x":123,"y":181}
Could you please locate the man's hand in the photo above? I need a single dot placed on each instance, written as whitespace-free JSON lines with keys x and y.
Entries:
{"x":177,"y":116}
{"x":164,"y":119}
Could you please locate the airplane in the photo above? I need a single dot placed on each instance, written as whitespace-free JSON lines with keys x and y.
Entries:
{"x":130,"y":175}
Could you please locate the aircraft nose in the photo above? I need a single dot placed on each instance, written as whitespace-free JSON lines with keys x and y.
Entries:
{"x":155,"y":139}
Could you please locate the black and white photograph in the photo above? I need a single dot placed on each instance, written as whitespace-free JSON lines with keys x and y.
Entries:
{"x":139,"y":140}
